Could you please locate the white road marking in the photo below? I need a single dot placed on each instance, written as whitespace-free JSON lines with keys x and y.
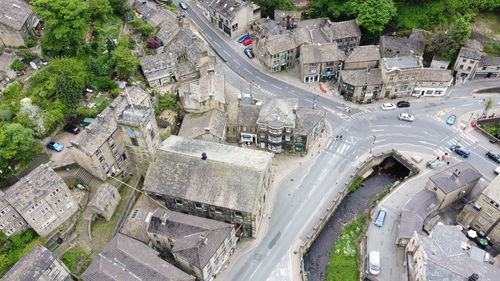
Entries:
{"x":276,"y":87}
{"x":215,"y":42}
{"x":308,"y":100}
{"x":237,"y":63}
{"x":226,"y":53}
{"x":377,"y":130}
{"x":377,"y":141}
{"x":260,"y":79}
{"x":427,"y":143}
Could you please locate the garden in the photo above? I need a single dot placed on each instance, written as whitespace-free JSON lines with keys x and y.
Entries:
{"x":16,"y":246}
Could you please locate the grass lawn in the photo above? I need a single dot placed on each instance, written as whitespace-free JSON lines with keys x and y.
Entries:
{"x":76,"y":260}
{"x":343,"y":264}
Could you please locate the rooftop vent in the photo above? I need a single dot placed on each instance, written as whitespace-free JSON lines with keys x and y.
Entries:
{"x":456,"y":173}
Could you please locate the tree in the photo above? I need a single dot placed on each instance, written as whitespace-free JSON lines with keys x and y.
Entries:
{"x":448,"y":38}
{"x":17,"y":65}
{"x":118,"y":6}
{"x":373,"y":15}
{"x":488,"y":105}
{"x":16,"y":142}
{"x":100,"y":9}
{"x":268,"y":6}
{"x":66,"y":22}
{"x":125,"y":62}
{"x":146,"y":30}
{"x":152,"y":43}
{"x":68,"y":90}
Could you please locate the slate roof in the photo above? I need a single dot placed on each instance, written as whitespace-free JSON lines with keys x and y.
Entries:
{"x":278,"y":112}
{"x":307,"y":119}
{"x":273,"y":27}
{"x":106,"y":195}
{"x":279,"y":43}
{"x":104,"y":125}
{"x":402,"y":62}
{"x":248,"y":115}
{"x":340,"y":30}
{"x":470,"y":53}
{"x":321,"y":53}
{"x":364,"y":53}
{"x":448,"y":182}
{"x":435,"y":75}
{"x":229,"y":178}
{"x":32,"y":265}
{"x":492,"y":190}
{"x":279,"y":14}
{"x":196,"y":125}
{"x":439,"y":64}
{"x":362,"y":77}
{"x":158,"y":66}
{"x":488,"y":61}
{"x":195,"y":239}
{"x":136,"y":224}
{"x":168,"y":28}
{"x":227,"y":8}
{"x":415,"y":212}
{"x":402,"y":44}
{"x":126,"y":259}
{"x":14,"y":13}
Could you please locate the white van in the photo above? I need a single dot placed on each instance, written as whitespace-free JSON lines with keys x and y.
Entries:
{"x":374,"y":262}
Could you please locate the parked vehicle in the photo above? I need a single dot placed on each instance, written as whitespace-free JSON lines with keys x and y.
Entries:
{"x":374,"y":262}
{"x":247,"y":42}
{"x":183,"y":6}
{"x":71,"y":129}
{"x":379,"y":221}
{"x":388,"y":106}
{"x":497,"y":170}
{"x":493,"y":156}
{"x":433,"y":164}
{"x":243,"y":38}
{"x":249,"y":53}
{"x":55,"y":146}
{"x":460,"y":151}
{"x":86,"y":121}
{"x":451,"y":119}
{"x":406,"y":117}
{"x":403,"y":103}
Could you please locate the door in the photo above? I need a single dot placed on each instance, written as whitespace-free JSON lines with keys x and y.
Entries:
{"x":387,"y":94}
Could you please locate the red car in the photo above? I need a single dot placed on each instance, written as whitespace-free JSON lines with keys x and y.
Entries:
{"x":247,"y":42}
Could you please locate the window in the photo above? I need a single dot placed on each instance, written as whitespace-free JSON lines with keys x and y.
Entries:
{"x":218,"y":210}
{"x":482,"y":221}
{"x":464,"y":60}
{"x":33,"y":219}
{"x":2,"y":226}
{"x":21,"y":223}
{"x":101,"y":159}
{"x":238,"y":214}
{"x":489,"y":212}
{"x":98,"y":152}
{"x":400,"y":77}
{"x":197,"y":205}
{"x":134,"y":141}
{"x":469,"y":68}
{"x":461,"y":66}
{"x":14,"y":216}
{"x":110,"y":140}
{"x":262,"y":135}
{"x":152,"y":133}
{"x":407,"y":77}
{"x":134,"y":214}
{"x":178,"y":201}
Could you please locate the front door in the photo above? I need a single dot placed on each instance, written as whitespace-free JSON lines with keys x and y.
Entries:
{"x":387,"y":94}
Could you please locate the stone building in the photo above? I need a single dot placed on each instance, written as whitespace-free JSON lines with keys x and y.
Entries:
{"x":17,"y":21}
{"x":453,"y":183}
{"x":310,"y":127}
{"x":125,"y":259}
{"x":488,"y":67}
{"x":211,"y":180}
{"x":248,"y":113}
{"x":208,"y":126}
{"x":104,"y":201}
{"x":43,"y":200}
{"x":287,"y":19}
{"x":466,"y":63}
{"x":39,"y":264}
{"x":277,"y":53}
{"x":399,"y":75}
{"x":395,"y":46}
{"x":446,"y":254}
{"x":483,"y":214}
{"x":158,"y":69}
{"x":100,"y":149}
{"x":362,"y":57}
{"x":345,"y":33}
{"x":11,"y":221}
{"x":363,"y":85}
{"x":320,"y":62}
{"x":200,"y":246}
{"x":233,"y":17}
{"x":432,"y":82}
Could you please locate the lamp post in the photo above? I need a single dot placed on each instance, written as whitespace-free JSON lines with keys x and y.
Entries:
{"x":14,"y":173}
{"x":373,"y":143}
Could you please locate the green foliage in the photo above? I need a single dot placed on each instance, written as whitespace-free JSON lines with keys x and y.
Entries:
{"x":125,"y":62}
{"x":383,"y":193}
{"x":489,"y":104}
{"x":167,"y":102}
{"x":17,"y":65}
{"x":492,"y":130}
{"x":268,"y":6}
{"x":68,"y":90}
{"x":76,"y":260}
{"x":372,"y":15}
{"x":343,"y":263}
{"x":357,"y":183}
{"x":448,"y":38}
{"x":15,"y":247}
{"x":170,"y":7}
{"x":100,"y":9}
{"x":26,"y":55}
{"x":13,"y":91}
{"x":66,"y":22}
{"x":5,"y":114}
{"x":83,"y":111}
{"x":119,"y":6}
{"x":492,"y":49}
{"x":16,"y":142}
{"x":146,"y":30}
{"x":104,"y":83}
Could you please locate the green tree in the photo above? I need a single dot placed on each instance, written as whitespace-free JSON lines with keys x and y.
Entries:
{"x":16,"y":142}
{"x":268,"y":6}
{"x":372,"y":15}
{"x":118,"y":6}
{"x":17,"y":65}
{"x":100,"y":9}
{"x":146,"y":30}
{"x":448,"y":38}
{"x":488,"y":105}
{"x":125,"y":62}
{"x":68,"y":90}
{"x":66,"y":22}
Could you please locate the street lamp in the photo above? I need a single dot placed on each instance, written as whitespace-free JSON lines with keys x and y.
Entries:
{"x":373,"y":143}
{"x":10,"y":168}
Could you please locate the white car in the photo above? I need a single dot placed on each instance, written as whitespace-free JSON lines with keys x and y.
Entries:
{"x":406,"y":117}
{"x":374,"y":262}
{"x":497,"y":171}
{"x":388,"y":106}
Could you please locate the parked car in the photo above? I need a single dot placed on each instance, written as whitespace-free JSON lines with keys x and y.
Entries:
{"x":86,"y":121}
{"x":183,"y":6}
{"x":451,"y":119}
{"x":243,"y":38}
{"x":374,"y":262}
{"x":460,"y":151}
{"x":403,"y":103}
{"x":388,"y":106}
{"x":493,"y":140}
{"x":493,"y":156}
{"x":379,"y":221}
{"x":249,"y":53}
{"x":406,"y":117}
{"x":497,"y":170}
{"x":55,"y":146}
{"x":71,"y":129}
{"x":247,"y":42}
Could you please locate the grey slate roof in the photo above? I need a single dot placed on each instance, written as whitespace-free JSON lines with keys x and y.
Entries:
{"x":470,"y":53}
{"x":403,"y":44}
{"x":33,"y":187}
{"x":364,"y":53}
{"x":278,"y":112}
{"x":488,"y":61}
{"x":31,"y":266}
{"x":321,"y":53}
{"x":448,"y":182}
{"x":106,"y":195}
{"x":158,"y":66}
{"x":307,"y":119}
{"x":435,"y":75}
{"x":492,"y":190}
{"x":196,"y":239}
{"x":343,"y":29}
{"x":415,"y":212}
{"x":279,"y":43}
{"x":362,"y":77}
{"x":126,"y":259}
{"x":195,"y":125}
{"x":227,"y":8}
{"x":136,"y":224}
{"x":14,"y":13}
{"x":248,"y":115}
{"x":273,"y":27}
{"x":402,"y":62}
{"x":228,"y":178}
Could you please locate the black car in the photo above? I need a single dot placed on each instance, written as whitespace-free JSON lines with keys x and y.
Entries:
{"x":403,"y":104}
{"x":493,"y":156}
{"x":183,"y":6}
{"x":249,"y":53}
{"x":71,"y":129}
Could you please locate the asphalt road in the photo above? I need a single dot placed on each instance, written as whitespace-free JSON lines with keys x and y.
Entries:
{"x":303,"y":196}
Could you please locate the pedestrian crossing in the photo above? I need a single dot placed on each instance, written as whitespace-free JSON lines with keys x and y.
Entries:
{"x":337,"y":146}
{"x":342,"y":113}
{"x":460,"y":139}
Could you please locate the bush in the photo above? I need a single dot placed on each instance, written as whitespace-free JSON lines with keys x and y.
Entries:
{"x":357,"y":183}
{"x":146,"y":30}
{"x":15,"y":247}
{"x":76,"y":260}
{"x":5,"y":114}
{"x":17,"y":65}
{"x":26,"y":55}
{"x":13,"y":91}
{"x":104,"y":83}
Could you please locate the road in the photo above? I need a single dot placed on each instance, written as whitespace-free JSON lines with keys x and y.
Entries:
{"x":303,"y":196}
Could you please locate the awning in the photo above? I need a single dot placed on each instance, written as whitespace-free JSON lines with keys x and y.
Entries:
{"x":472,"y":234}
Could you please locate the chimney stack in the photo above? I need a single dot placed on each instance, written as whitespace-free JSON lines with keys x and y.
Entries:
{"x":456,"y":173}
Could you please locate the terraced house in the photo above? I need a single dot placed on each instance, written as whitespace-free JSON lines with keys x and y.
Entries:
{"x":320,"y":62}
{"x":399,"y":75}
{"x":17,"y":21}
{"x":233,"y":17}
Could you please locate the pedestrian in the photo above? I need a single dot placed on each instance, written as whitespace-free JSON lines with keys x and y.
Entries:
{"x":340,"y":137}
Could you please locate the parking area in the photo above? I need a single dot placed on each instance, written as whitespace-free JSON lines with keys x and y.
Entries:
{"x":64,"y":157}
